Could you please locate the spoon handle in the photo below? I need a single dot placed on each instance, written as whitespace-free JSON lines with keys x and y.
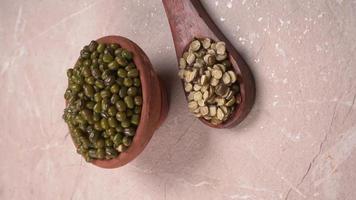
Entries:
{"x":188,"y":19}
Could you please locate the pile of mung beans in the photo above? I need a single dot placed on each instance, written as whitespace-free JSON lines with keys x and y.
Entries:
{"x":209,"y":80}
{"x":103,"y":101}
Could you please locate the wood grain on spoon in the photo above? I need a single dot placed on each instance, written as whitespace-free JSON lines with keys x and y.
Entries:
{"x":188,"y":20}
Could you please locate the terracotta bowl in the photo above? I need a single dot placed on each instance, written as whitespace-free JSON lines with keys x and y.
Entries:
{"x":155,"y":105}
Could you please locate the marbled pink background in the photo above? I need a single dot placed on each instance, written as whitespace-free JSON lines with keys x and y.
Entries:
{"x":298,"y":142}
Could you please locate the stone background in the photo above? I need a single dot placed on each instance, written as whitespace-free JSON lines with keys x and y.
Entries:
{"x":297,"y":143}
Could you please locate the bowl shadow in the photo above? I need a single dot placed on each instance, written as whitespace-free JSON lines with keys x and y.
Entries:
{"x":180,"y":145}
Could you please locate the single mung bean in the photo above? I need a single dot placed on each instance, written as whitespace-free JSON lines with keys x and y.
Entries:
{"x":112,"y":122}
{"x":120,"y":105}
{"x":132,"y":73}
{"x":137,"y":109}
{"x":122,"y":73}
{"x":128,"y":82}
{"x":129,"y":131}
{"x":111,"y":152}
{"x":118,"y":51}
{"x":121,"y":148}
{"x":84,"y":54}
{"x":129,"y":102}
{"x":105,"y":93}
{"x":121,"y":116}
{"x":121,"y":60}
{"x":126,"y":141}
{"x":115,"y":88}
{"x":112,"y":111}
{"x":107,"y":58}
{"x":117,"y":139}
{"x":108,"y":142}
{"x":100,"y":153}
{"x":97,"y":107}
{"x":138,"y":100}
{"x":137,"y":82}
{"x":125,"y":124}
{"x":123,"y":92}
{"x":104,"y":123}
{"x":126,"y":54}
{"x":90,"y":80}
{"x":135,"y":119}
{"x":104,"y":104}
{"x":114,"y":98}
{"x":113,"y":65}
{"x":132,"y":91}
{"x":100,"y":84}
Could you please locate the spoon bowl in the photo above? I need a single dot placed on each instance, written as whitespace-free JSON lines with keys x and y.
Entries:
{"x":188,"y":20}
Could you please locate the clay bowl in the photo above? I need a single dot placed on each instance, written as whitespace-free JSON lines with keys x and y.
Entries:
{"x":188,"y":20}
{"x":154,"y":108}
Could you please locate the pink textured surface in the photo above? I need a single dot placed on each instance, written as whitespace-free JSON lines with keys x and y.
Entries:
{"x":298,"y":142}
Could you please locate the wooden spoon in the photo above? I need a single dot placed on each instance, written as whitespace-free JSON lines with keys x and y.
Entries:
{"x":188,"y":20}
{"x":155,"y":104}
